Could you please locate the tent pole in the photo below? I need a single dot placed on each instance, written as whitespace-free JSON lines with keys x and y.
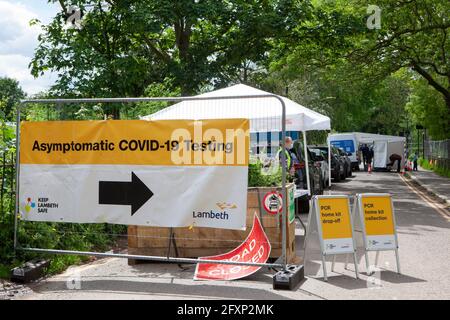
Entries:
{"x":329,"y":161}
{"x":308,"y":183}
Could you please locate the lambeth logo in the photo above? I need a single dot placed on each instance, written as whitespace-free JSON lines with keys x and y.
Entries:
{"x":224,"y":205}
{"x":222,"y":214}
{"x":29,"y":205}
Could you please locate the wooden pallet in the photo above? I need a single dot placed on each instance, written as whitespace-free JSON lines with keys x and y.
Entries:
{"x":197,"y":242}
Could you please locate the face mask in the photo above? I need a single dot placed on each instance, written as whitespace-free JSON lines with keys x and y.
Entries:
{"x":289,"y":146}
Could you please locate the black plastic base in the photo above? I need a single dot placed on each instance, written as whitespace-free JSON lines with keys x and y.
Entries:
{"x":288,"y":279}
{"x":29,"y":271}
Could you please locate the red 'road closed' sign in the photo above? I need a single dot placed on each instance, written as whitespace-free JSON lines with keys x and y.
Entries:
{"x":256,"y":249}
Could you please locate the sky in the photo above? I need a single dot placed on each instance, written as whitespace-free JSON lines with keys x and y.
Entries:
{"x":18,"y":41}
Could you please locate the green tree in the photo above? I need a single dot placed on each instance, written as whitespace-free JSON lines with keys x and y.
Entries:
{"x":414,"y":34}
{"x":428,"y":109}
{"x":360,"y":77}
{"x":10,"y":95}
{"x":353,"y":105}
{"x":126,"y":45}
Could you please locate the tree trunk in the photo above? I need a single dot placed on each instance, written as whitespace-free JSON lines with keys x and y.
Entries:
{"x":183,"y":37}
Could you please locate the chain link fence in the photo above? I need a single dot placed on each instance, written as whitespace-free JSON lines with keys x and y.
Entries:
{"x":438,"y":152}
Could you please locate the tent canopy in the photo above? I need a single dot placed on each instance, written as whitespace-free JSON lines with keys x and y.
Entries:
{"x":264,"y":112}
{"x":371,"y":137}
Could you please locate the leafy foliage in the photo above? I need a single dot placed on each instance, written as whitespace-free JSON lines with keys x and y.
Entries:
{"x":442,"y":171}
{"x":40,"y":234}
{"x":128,"y":45}
{"x":256,"y":177}
{"x":428,"y":108}
{"x":364,"y":78}
{"x":10,"y":96}
{"x":413,"y":34}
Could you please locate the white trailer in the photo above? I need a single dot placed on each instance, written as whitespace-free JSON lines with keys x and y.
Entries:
{"x":383,"y":146}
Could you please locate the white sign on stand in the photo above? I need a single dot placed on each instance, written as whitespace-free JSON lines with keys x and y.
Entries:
{"x":330,"y":217}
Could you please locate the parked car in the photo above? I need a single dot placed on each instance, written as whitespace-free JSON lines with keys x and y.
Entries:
{"x":322,"y":162}
{"x":348,"y":162}
{"x":337,"y":162}
{"x":315,"y":176}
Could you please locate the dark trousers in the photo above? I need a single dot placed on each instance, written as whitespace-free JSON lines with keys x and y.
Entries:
{"x":398,"y":164}
{"x":391,"y":164}
{"x":415,"y":165}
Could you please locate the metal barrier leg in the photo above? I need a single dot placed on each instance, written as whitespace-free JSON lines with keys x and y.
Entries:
{"x":324,"y":268}
{"x":398,"y":261}
{"x":366,"y":255}
{"x":307,"y":233}
{"x":332,"y":264}
{"x":290,"y":276}
{"x":377,"y":255}
{"x":355,"y":261}
{"x":17,"y":167}
{"x":346,"y":261}
{"x":304,"y":253}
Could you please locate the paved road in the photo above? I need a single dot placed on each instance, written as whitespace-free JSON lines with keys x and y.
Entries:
{"x":424,"y":239}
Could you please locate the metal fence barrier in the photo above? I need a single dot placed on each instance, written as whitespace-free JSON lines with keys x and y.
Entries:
{"x":121,"y":102}
{"x":438,"y":152}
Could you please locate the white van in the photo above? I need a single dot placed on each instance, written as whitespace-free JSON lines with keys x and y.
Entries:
{"x":349,"y":143}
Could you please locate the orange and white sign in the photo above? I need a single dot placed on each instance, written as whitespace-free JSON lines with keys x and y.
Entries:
{"x":335,"y":224}
{"x":167,"y":173}
{"x":378,"y":221}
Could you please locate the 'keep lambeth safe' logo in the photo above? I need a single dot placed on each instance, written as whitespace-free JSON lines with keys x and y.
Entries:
{"x":42,"y":205}
{"x":29,"y":205}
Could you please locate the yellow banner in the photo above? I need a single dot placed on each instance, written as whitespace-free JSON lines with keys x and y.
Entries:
{"x":335,"y":218}
{"x":164,"y":142}
{"x":378,"y":215}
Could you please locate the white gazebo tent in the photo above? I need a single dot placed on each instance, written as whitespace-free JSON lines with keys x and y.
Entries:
{"x":264,"y":113}
{"x":383,"y":147}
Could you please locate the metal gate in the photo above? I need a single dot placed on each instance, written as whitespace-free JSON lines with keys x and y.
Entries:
{"x":280,"y":263}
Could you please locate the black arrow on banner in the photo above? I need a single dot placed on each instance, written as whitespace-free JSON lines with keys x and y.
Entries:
{"x":134,"y":193}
